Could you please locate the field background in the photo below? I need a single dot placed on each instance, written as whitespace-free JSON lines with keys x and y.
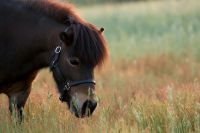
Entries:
{"x":94,"y":2}
{"x":151,"y":84}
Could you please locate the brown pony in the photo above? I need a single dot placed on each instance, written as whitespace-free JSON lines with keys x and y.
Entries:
{"x":42,"y":33}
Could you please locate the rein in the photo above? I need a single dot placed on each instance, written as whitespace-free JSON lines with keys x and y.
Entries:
{"x":66,"y":84}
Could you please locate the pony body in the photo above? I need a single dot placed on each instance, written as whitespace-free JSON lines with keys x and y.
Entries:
{"x":30,"y":32}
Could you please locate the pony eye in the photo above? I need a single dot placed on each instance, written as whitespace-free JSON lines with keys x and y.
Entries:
{"x":74,"y":61}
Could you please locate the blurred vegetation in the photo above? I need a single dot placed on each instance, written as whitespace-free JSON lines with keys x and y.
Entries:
{"x":88,"y":2}
{"x":134,"y":30}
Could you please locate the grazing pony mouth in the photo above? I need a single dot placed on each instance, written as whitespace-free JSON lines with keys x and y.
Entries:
{"x":83,"y":106}
{"x":85,"y":111}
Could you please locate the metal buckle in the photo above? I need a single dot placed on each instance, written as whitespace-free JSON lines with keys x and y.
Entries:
{"x":58,"y":49}
{"x":67,"y":86}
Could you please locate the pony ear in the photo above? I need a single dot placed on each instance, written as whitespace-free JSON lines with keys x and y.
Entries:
{"x":67,"y":37}
{"x":101,"y":30}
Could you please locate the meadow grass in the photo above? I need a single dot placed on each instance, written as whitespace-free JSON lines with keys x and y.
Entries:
{"x":151,"y":84}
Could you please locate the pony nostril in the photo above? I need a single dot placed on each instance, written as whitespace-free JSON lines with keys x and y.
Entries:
{"x":89,"y":107}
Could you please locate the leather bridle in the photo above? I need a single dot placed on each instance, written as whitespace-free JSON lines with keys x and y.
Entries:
{"x":65,"y":83}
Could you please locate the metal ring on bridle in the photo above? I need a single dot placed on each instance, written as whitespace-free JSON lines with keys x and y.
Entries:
{"x":67,"y":86}
{"x":58,"y":49}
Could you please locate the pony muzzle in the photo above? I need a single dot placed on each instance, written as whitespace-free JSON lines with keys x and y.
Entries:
{"x":82,"y":108}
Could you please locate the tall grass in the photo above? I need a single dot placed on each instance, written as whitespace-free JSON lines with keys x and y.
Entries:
{"x":150,"y":85}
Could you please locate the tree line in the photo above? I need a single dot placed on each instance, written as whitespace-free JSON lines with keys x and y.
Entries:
{"x":87,"y":2}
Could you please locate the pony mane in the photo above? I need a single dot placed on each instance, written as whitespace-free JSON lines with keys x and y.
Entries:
{"x":89,"y":44}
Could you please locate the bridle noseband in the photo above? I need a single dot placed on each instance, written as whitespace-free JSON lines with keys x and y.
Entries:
{"x":66,"y":84}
